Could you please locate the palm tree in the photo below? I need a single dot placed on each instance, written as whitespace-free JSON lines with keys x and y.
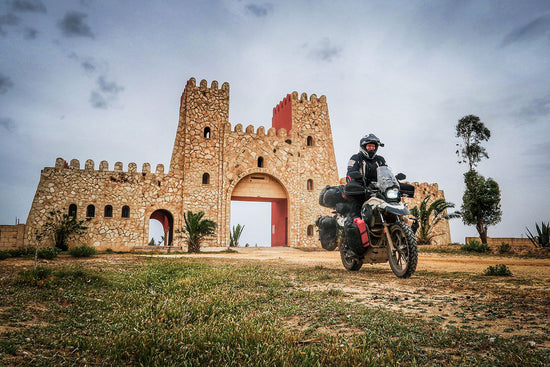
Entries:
{"x":236,"y":232}
{"x":197,"y":228}
{"x":436,"y":211}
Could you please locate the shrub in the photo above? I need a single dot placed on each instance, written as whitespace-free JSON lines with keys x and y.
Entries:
{"x":20,"y":252}
{"x":476,"y":246}
{"x":39,"y":275}
{"x":109,"y":251}
{"x":504,"y":248}
{"x":62,"y":228}
{"x":82,"y":251}
{"x":4,"y":255}
{"x":542,"y":239}
{"x":48,"y":253}
{"x":500,"y":270}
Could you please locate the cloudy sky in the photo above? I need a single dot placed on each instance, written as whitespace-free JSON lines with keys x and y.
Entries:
{"x":102,"y":80}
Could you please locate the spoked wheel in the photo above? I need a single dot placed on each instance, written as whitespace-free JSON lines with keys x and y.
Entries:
{"x":350,"y":263}
{"x":404,"y":258}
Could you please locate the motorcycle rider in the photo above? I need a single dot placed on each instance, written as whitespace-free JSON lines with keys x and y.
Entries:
{"x":366,"y":161}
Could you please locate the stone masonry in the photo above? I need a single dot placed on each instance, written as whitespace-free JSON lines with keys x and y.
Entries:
{"x":211,"y":165}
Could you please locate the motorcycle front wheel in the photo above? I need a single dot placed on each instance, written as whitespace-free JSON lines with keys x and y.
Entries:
{"x":350,"y":263}
{"x":404,"y":257}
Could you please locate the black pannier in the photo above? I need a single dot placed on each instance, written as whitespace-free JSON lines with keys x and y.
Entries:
{"x":330,"y":196}
{"x":328,"y":228}
{"x":407,"y":190}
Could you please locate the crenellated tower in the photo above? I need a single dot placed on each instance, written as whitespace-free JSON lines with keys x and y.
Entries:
{"x":203,"y":113}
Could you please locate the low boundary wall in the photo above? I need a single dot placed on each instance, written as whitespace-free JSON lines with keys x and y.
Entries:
{"x":11,"y":236}
{"x":517,"y":244}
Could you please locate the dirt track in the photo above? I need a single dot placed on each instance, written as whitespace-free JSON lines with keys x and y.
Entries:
{"x":537,"y":268}
{"x":449,"y":290}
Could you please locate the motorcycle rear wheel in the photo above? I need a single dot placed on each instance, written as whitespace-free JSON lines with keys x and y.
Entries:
{"x":404,"y":258}
{"x":350,"y":263}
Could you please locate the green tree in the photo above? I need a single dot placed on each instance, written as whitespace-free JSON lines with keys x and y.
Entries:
{"x":480,"y":203}
{"x":197,"y":229}
{"x":472,"y":132}
{"x":428,"y":216}
{"x":62,"y":228}
{"x":236,"y":232}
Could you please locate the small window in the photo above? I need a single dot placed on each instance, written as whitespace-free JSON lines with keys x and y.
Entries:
{"x":125,"y":211}
{"x":310,"y":184}
{"x":108,"y":211}
{"x":205,"y":179}
{"x":309,"y":141}
{"x":90,"y":211}
{"x":72,"y":210}
{"x":260,"y":162}
{"x":206,"y":133}
{"x":310,"y":230}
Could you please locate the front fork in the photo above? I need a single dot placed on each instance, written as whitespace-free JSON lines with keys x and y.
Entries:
{"x":387,"y":232}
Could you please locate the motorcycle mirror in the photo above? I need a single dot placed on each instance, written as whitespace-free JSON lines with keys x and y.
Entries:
{"x":401,"y":176}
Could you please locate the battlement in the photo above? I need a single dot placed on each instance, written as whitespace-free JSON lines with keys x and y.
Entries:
{"x":192,"y":83}
{"x":191,"y":86}
{"x":260,"y":131}
{"x":89,"y":165}
{"x":282,"y":113}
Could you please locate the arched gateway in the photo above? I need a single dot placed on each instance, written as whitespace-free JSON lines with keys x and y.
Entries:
{"x":167,"y":221}
{"x":261,"y":187}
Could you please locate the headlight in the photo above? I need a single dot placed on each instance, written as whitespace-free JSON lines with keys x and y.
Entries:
{"x":392,"y":194}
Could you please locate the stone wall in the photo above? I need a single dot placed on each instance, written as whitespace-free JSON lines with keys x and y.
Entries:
{"x":142,"y":192}
{"x":422,"y":190}
{"x":518,"y":245}
{"x":11,"y":236}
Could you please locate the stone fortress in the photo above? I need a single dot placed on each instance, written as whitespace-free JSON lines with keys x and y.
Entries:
{"x":211,"y":165}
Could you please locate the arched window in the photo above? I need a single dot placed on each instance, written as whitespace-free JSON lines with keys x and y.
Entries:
{"x":260,"y":162}
{"x":309,"y":141}
{"x":205,"y":179}
{"x":108,"y":211}
{"x":206,"y":133}
{"x":125,"y":211}
{"x":72,"y":210}
{"x":90,"y":211}
{"x":310,"y":184}
{"x":310,"y":230}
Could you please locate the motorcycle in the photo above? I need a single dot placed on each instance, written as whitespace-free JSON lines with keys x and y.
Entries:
{"x":376,"y":232}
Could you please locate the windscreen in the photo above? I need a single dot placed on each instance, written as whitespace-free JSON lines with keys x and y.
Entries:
{"x":386,"y":178}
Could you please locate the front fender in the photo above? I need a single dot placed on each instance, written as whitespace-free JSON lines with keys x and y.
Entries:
{"x":397,"y":209}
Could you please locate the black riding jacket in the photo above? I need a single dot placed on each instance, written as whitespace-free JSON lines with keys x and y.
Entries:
{"x":367,"y":167}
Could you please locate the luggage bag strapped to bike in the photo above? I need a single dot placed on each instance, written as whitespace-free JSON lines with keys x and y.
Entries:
{"x":330,"y":196}
{"x":406,"y":190}
{"x":327,"y":232}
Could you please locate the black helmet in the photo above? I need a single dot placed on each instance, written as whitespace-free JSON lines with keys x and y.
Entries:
{"x":370,"y":139}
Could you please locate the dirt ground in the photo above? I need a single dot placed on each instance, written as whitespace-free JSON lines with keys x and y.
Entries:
{"x":449,"y":290}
